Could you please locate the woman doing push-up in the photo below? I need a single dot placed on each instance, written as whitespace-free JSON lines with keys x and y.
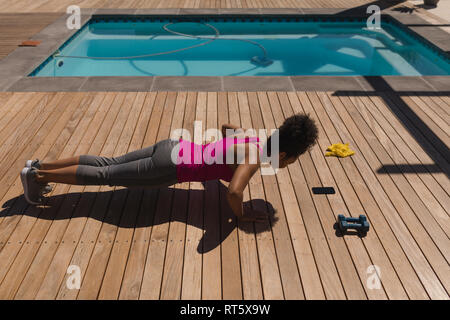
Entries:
{"x":172,"y":161}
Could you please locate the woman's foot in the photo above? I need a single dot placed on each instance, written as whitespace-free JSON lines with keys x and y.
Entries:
{"x":31,"y":188}
{"x":44,"y":188}
{"x":33,"y":164}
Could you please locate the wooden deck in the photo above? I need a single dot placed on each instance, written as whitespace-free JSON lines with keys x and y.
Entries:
{"x":61,"y":5}
{"x":18,"y":27}
{"x":183,"y":242}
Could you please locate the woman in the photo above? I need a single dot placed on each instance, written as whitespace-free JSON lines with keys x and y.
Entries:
{"x":172,"y":161}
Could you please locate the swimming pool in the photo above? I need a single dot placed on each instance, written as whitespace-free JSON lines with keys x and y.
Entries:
{"x":143,"y":46}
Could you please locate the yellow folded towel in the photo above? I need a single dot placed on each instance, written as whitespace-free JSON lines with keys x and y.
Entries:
{"x":339,"y":150}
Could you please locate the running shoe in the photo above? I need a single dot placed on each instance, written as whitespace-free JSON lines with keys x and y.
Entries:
{"x":31,"y":188}
{"x":45,"y":188}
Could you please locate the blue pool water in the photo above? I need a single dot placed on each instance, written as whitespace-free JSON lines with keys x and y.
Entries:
{"x":294,"y":48}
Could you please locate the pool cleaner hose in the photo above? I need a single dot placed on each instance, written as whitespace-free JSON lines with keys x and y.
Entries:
{"x":259,"y":60}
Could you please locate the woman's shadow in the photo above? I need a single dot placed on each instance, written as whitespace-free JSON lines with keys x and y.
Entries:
{"x":139,"y":207}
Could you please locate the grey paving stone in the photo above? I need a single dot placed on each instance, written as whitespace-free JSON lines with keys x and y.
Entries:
{"x":396,"y":83}
{"x":107,"y":11}
{"x":257,"y":83}
{"x":431,"y":33}
{"x":239,"y":11}
{"x":406,"y":18}
{"x":440,"y":83}
{"x":7,"y":82}
{"x":168,"y":11}
{"x":281,"y":11}
{"x":444,"y":45}
{"x":322,"y":10}
{"x":325,"y":83}
{"x":187,"y":84}
{"x":117,"y":84}
{"x":48,"y":84}
{"x":20,"y":62}
{"x":88,"y":11}
{"x":58,"y":30}
{"x":46,"y":48}
{"x":189,"y":11}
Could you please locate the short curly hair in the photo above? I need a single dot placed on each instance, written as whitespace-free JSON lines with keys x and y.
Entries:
{"x":297,"y":135}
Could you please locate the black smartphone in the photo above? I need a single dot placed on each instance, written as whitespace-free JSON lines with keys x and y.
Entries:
{"x":323,"y":190}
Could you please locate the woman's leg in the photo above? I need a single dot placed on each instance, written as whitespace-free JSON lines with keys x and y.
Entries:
{"x":98,"y":161}
{"x":157,"y":170}
{"x":62,"y":163}
{"x":62,"y":175}
{"x":101,"y":161}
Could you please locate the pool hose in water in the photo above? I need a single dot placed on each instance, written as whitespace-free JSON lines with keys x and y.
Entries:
{"x":259,"y":60}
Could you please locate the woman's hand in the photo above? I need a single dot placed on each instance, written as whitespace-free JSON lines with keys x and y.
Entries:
{"x":251,"y":215}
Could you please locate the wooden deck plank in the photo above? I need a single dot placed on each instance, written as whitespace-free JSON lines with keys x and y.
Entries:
{"x":124,"y":204}
{"x":4,"y":98}
{"x":173,"y":265}
{"x":231,"y":269}
{"x":101,"y":144}
{"x":443,"y":101}
{"x":345,"y":270}
{"x":14,"y":203}
{"x":355,"y":247}
{"x":212,"y":271}
{"x":437,"y":106}
{"x":438,"y":116}
{"x":17,"y":204}
{"x":425,"y":186}
{"x":112,"y":279}
{"x":282,"y":241}
{"x":228,"y":112}
{"x":299,"y":258}
{"x":328,"y":274}
{"x":407,"y":204}
{"x":17,"y":101}
{"x":353,"y":205}
{"x":55,"y":236}
{"x":17,"y":27}
{"x":402,"y":125}
{"x":437,"y":136}
{"x":391,"y":245}
{"x":58,"y":222}
{"x":250,"y":270}
{"x":20,"y":123}
{"x":193,"y":266}
{"x":36,"y":235}
{"x":377,"y":184}
{"x":35,"y":133}
{"x":272,"y":283}
{"x":309,"y":273}
{"x":61,"y":5}
{"x":414,"y":137}
{"x":132,"y":279}
{"x":152,"y":280}
{"x":59,"y":264}
{"x":441,"y":106}
{"x":391,"y":284}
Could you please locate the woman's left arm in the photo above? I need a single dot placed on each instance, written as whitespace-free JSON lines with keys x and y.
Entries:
{"x":229,"y":126}
{"x":235,"y":194}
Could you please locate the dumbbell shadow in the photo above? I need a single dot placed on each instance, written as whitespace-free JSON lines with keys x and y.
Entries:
{"x":341,"y":233}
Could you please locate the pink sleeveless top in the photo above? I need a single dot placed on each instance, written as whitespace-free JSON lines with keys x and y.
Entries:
{"x":199,"y":163}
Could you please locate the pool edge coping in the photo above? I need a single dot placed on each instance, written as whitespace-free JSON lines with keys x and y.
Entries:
{"x":23,"y":60}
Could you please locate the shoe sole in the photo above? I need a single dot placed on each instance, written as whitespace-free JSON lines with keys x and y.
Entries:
{"x":23,"y":177}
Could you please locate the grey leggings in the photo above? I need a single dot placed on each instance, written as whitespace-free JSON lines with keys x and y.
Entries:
{"x":151,"y":166}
